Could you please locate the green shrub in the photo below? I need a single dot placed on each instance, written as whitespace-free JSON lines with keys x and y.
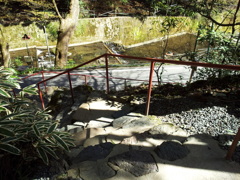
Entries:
{"x":52,"y":29}
{"x":17,"y":62}
{"x":70,"y":64}
{"x":26,"y":132}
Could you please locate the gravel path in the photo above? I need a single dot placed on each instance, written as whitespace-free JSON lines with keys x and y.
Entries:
{"x":213,"y":116}
{"x":213,"y":120}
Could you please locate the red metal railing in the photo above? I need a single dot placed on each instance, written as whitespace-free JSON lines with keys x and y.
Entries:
{"x":152,"y":60}
{"x":188,"y":63}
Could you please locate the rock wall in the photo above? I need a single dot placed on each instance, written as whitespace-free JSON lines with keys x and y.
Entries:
{"x":127,"y":30}
{"x":122,"y":30}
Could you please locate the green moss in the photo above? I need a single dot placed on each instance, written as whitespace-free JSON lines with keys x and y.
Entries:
{"x":124,"y":30}
{"x":156,"y":120}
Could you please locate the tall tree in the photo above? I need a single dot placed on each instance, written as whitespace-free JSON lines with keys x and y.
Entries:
{"x":66,"y":29}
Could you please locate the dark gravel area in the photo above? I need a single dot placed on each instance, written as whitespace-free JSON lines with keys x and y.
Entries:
{"x":213,"y":118}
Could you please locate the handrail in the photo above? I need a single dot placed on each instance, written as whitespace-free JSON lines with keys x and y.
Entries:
{"x":188,"y":63}
{"x":152,"y":60}
{"x":64,"y":72}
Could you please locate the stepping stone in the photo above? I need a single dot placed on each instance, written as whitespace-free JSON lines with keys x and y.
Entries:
{"x":94,"y":110}
{"x":136,"y":162}
{"x":163,"y":129}
{"x":82,"y":136}
{"x":104,"y":171}
{"x":171,"y":150}
{"x":90,"y":170}
{"x":74,"y":129}
{"x":93,"y":153}
{"x":95,"y":141}
{"x":143,"y":122}
{"x":118,"y":135}
{"x":100,"y":122}
{"x":120,"y":122}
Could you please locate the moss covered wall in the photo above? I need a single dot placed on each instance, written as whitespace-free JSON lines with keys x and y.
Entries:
{"x":126,"y":30}
{"x":123,"y":30}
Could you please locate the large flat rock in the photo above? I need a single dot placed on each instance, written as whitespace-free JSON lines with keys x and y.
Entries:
{"x":95,"y":110}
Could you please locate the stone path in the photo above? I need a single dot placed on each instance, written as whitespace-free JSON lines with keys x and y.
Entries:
{"x":114,"y":143}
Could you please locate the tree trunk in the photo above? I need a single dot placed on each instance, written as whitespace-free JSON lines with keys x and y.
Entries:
{"x":5,"y":54}
{"x":4,"y":49}
{"x":65,"y":32}
{"x":66,"y":29}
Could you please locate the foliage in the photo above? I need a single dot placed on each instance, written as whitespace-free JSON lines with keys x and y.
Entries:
{"x":70,"y":64}
{"x":168,"y":24}
{"x":15,"y":12}
{"x":25,"y":130}
{"x":17,"y":62}
{"x":165,"y":8}
{"x":52,"y":29}
{"x":210,"y":9}
{"x":222,"y":49}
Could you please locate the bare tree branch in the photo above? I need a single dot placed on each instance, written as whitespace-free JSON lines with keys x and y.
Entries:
{"x":235,"y":16}
{"x":56,"y":8}
{"x":218,"y":23}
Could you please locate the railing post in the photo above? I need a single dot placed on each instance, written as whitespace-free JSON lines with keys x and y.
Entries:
{"x":40,"y":96}
{"x":149,"y":88}
{"x":85,"y":77}
{"x":45,"y":84}
{"x":107,"y":77}
{"x":233,"y":146}
{"x":125,"y":84}
{"x":70,"y":84}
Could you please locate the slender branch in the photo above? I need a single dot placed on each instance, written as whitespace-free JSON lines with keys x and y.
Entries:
{"x":218,"y":23}
{"x":223,"y":20}
{"x":235,"y":17}
{"x":56,"y":8}
{"x":1,"y":31}
{"x":206,"y":12}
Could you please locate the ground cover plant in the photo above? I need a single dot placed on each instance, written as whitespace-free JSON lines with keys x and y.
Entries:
{"x":28,"y":135}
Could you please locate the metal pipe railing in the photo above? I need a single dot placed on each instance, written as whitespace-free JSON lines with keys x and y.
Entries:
{"x":188,"y":63}
{"x":233,"y":146}
{"x":67,"y":71}
{"x":152,"y":60}
{"x":70,"y":84}
{"x":107,"y":75}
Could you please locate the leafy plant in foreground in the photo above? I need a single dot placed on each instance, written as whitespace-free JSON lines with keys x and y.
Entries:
{"x":26,"y":131}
